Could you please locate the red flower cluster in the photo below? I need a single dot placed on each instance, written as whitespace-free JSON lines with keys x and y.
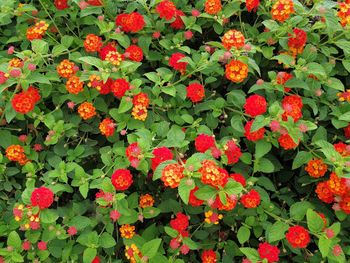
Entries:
{"x":42,"y":197}
{"x":195,"y":92}
{"x":251,"y":199}
{"x":286,"y":142}
{"x":193,"y":200}
{"x":160,"y":154}
{"x":268,"y":252}
{"x":282,"y":78}
{"x":252,"y":5}
{"x":298,"y":237}
{"x":178,"y":23}
{"x":166,"y":9}
{"x":175,"y":64}
{"x":232,"y":152}
{"x":121,"y":179}
{"x":120,"y":87}
{"x":297,"y":41}
{"x":134,"y":53}
{"x":61,"y":4}
{"x":132,"y":22}
{"x":292,"y":106}
{"x":25,"y":101}
{"x":208,"y":256}
{"x":133,"y":153}
{"x":253,"y":136}
{"x":180,"y":224}
{"x":255,"y":105}
{"x":238,"y":178}
{"x":343,"y":13}
{"x":204,"y":142}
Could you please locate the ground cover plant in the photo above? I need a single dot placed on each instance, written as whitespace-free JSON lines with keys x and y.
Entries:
{"x":174,"y":131}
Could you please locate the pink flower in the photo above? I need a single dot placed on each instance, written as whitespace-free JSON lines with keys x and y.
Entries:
{"x":72,"y":230}
{"x":42,"y":245}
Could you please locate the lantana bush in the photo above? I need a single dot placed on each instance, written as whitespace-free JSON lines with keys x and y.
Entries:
{"x":174,"y":131}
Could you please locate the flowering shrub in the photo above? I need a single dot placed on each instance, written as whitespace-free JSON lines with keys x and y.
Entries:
{"x":174,"y":131}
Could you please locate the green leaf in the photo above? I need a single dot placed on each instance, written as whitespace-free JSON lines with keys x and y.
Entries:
{"x":206,"y":192}
{"x":324,"y":244}
{"x":243,"y":234}
{"x":232,"y":187}
{"x":316,"y":69}
{"x":106,"y":240}
{"x":92,"y":61}
{"x":48,"y":216}
{"x":14,"y":240}
{"x":277,"y":231}
{"x":40,"y":46}
{"x":262,"y":147}
{"x":89,"y":254}
{"x":150,"y":248}
{"x":185,"y":187}
{"x":190,"y":243}
{"x":84,"y":189}
{"x":301,"y":158}
{"x":266,"y":183}
{"x":264,"y":165}
{"x":344,"y":45}
{"x":251,"y":253}
{"x":175,"y":137}
{"x":315,"y":222}
{"x":345,"y":116}
{"x":298,"y":210}
{"x":125,"y":105}
{"x":80,"y":222}
{"x":171,"y":231}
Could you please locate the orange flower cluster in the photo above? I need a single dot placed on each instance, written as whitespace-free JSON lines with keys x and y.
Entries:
{"x":16,"y":63}
{"x":335,"y":189}
{"x":212,"y":217}
{"x":66,"y":68}
{"x":344,"y":13}
{"x":316,"y":168}
{"x":93,"y":43}
{"x":172,"y":175}
{"x":344,"y":96}
{"x":132,"y":253}
{"x":74,"y":85}
{"x":114,"y":57}
{"x":16,"y":153}
{"x":25,"y":101}
{"x":86,"y":110}
{"x":251,"y":199}
{"x":282,"y":9}
{"x":140,"y":102}
{"x":212,"y":174}
{"x":107,"y":127}
{"x":127,"y":231}
{"x":337,"y":185}
{"x":146,"y":201}
{"x":37,"y":31}
{"x":212,"y":7}
{"x":236,"y":71}
{"x":30,"y":221}
{"x":233,"y":38}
